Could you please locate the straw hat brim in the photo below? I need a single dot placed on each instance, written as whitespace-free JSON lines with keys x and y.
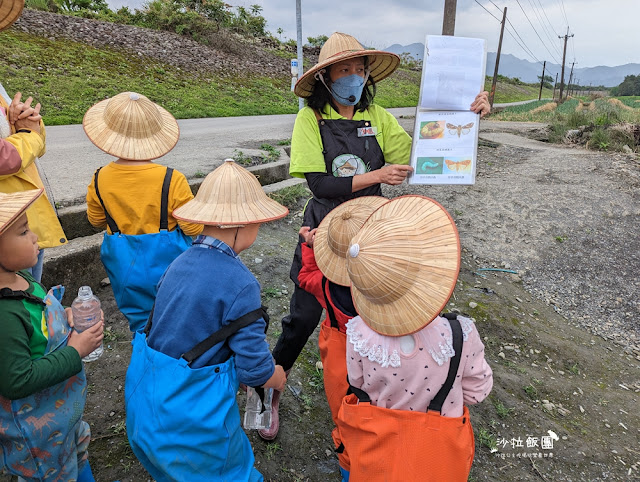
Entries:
{"x":13,"y":205}
{"x":412,"y":251}
{"x":230,"y":196}
{"x":332,"y":264}
{"x":144,"y":147}
{"x":381,"y":64}
{"x":10,"y":11}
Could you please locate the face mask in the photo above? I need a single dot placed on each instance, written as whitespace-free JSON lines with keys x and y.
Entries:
{"x":348,"y":90}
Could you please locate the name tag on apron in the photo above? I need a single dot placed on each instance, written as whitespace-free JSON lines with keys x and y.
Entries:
{"x":367,"y":131}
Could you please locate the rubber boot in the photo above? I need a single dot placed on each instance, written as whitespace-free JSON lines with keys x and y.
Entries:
{"x":271,"y":432}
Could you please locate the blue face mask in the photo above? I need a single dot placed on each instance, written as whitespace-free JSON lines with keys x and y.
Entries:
{"x":348,"y":90}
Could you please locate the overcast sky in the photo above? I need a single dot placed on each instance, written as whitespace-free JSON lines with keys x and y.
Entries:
{"x":606,"y":32}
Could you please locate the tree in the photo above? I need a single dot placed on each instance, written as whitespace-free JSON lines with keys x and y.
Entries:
{"x":629,"y":86}
{"x":317,"y":41}
{"x":548,"y":81}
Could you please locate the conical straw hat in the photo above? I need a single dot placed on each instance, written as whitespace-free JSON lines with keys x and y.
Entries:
{"x":230,"y":196}
{"x":12,"y":205}
{"x":339,"y":47}
{"x":334,"y":234}
{"x":130,"y":126}
{"x":10,"y":10}
{"x":403,"y":265}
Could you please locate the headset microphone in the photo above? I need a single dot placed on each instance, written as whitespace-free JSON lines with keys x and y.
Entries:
{"x":352,"y":98}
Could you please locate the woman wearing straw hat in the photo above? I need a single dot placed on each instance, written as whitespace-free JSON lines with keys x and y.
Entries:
{"x":134,"y":198}
{"x":22,"y":141}
{"x":205,"y":336}
{"x":411,"y":371}
{"x":345,"y":146}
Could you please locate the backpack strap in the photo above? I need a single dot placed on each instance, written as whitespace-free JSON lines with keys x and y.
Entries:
{"x":222,"y":334}
{"x":9,"y":294}
{"x":330,"y":312}
{"x":438,"y":400}
{"x":164,"y":201}
{"x":110,"y":222}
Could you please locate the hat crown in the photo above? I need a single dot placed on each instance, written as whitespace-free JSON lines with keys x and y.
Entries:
{"x":405,"y":266}
{"x":230,"y":196}
{"x":345,"y":226}
{"x":132,"y":115}
{"x":337,"y":44}
{"x":382,"y":267}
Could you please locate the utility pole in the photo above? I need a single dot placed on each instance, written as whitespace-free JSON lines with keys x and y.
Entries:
{"x":544,"y":64}
{"x":299,"y":50}
{"x":564,"y":55}
{"x":554,"y":87}
{"x":449,"y":19}
{"x":495,"y":70}
{"x":570,"y":78}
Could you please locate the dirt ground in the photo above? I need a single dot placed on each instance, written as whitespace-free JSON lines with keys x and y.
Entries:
{"x":561,"y":332}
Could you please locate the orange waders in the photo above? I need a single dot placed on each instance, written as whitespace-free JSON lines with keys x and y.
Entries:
{"x":333,"y":353}
{"x":401,"y":445}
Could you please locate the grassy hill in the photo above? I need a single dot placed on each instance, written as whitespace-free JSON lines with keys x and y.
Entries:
{"x":67,"y":77}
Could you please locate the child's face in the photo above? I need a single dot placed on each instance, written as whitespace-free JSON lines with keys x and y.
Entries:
{"x":18,"y":246}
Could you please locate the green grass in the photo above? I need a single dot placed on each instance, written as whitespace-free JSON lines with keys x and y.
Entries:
{"x":68,"y":77}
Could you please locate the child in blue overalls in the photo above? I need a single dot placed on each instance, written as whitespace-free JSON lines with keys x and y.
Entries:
{"x":43,"y":384}
{"x":206,"y":334}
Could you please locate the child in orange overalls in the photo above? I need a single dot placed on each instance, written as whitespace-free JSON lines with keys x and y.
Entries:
{"x":411,"y":371}
{"x":324,"y":274}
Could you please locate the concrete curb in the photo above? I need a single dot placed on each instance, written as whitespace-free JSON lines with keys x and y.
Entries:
{"x":78,"y":263}
{"x":74,"y":218}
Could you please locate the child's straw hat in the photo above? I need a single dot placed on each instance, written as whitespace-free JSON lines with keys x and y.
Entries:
{"x":230,"y":196}
{"x":13,"y":204}
{"x":403,"y":265}
{"x":130,"y":126}
{"x":334,"y":234}
{"x":10,"y":10}
{"x":339,"y":47}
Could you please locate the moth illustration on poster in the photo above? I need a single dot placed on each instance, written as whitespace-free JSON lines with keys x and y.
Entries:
{"x":445,"y":138}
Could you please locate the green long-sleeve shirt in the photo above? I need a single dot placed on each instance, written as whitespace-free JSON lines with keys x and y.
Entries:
{"x":23,"y":339}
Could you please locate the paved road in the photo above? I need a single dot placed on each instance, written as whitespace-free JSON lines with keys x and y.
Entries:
{"x":72,"y":159}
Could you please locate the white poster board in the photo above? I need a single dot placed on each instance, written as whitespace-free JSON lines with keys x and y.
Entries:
{"x":445,"y":137}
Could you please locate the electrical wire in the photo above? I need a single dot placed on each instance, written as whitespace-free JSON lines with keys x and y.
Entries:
{"x":534,"y":29}
{"x":544,"y":25}
{"x":521,"y":43}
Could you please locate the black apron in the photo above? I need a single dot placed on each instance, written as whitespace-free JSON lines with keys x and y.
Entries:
{"x":345,"y":154}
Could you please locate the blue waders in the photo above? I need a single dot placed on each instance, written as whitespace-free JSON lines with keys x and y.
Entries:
{"x":183,"y":423}
{"x":135,"y":263}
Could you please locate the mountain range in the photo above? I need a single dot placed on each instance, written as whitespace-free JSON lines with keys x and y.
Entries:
{"x":512,"y":66}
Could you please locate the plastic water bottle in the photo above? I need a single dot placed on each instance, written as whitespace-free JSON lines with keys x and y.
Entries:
{"x":254,"y":417}
{"x":86,"y":313}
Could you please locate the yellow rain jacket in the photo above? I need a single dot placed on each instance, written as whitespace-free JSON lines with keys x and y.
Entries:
{"x":43,"y":219}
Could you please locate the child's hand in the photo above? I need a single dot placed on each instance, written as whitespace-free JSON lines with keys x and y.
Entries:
{"x":88,"y":340}
{"x":22,"y":115}
{"x":308,"y":234}
{"x":277,"y":380}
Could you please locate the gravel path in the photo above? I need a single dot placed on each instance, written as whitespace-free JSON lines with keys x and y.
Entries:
{"x":565,"y":218}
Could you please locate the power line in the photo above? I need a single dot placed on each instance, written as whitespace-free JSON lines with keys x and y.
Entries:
{"x":526,"y":49}
{"x":542,"y":22}
{"x":534,"y":29}
{"x":563,"y":11}
{"x":522,"y":44}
